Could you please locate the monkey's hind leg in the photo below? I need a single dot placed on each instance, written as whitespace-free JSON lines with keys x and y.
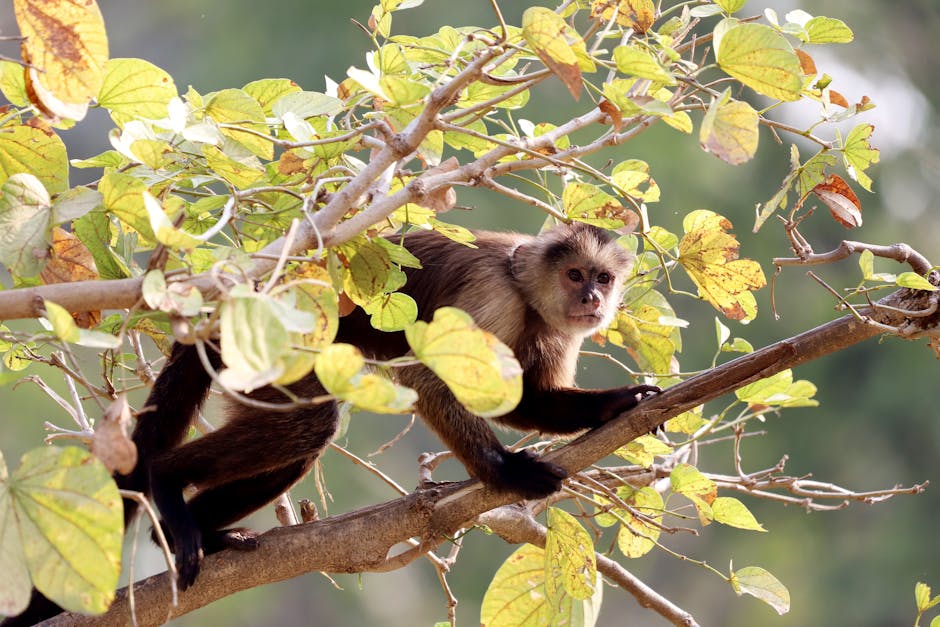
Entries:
{"x":244,"y":465}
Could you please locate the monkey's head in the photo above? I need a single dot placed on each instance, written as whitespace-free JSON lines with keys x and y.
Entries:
{"x":573,"y":276}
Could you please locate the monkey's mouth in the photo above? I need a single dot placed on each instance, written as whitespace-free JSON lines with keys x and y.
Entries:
{"x":585,"y":319}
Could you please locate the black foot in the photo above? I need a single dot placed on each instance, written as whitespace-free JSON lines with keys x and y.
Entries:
{"x":238,"y":538}
{"x":644,"y":391}
{"x":524,"y":473}
{"x":188,"y":558}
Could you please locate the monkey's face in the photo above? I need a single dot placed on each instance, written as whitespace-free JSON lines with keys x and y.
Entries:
{"x":589,"y":296}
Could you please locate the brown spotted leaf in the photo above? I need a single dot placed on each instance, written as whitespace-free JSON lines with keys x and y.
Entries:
{"x":842,"y":202}
{"x":71,"y":261}
{"x":548,"y":35}
{"x":636,"y":14}
{"x":709,"y":254}
{"x":66,"y":43}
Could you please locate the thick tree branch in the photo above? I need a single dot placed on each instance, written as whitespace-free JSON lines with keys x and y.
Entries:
{"x":364,"y":540}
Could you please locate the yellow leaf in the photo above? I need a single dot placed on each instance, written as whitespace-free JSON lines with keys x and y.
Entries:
{"x":556,"y":45}
{"x":710,"y":257}
{"x":587,"y":203}
{"x":340,"y":368}
{"x":37,"y":151}
{"x":639,"y":534}
{"x":760,"y":584}
{"x":479,"y":370}
{"x":66,"y":43}
{"x":762,"y":59}
{"x":238,"y":174}
{"x":642,"y":450}
{"x":732,"y":512}
{"x":61,"y":320}
{"x":163,"y":229}
{"x":66,"y":512}
{"x":517,"y":598}
{"x":570,"y":563}
{"x":730,"y":131}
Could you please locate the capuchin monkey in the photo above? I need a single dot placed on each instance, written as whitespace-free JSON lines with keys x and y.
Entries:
{"x":541,"y":296}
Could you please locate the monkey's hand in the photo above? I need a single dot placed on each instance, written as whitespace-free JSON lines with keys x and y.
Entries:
{"x":642,"y":391}
{"x":523,"y":472}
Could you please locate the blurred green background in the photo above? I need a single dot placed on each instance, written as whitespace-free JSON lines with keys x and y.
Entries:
{"x":877,"y":423}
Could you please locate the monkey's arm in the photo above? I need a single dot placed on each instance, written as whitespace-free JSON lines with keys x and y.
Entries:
{"x":568,"y":410}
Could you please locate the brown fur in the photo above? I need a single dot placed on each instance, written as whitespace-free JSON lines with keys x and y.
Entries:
{"x":539,"y":295}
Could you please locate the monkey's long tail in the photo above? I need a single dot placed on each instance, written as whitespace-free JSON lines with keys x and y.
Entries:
{"x":176,"y":396}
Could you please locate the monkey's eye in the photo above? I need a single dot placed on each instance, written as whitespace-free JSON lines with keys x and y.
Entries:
{"x":603,"y":277}
{"x":575,"y":275}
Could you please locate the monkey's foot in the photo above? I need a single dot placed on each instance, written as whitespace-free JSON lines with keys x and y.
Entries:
{"x":238,"y":538}
{"x":523,"y":472}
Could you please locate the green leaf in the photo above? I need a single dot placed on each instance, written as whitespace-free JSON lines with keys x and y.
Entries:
{"x":762,"y":59}
{"x":759,"y":583}
{"x":866,"y":262}
{"x":13,"y":88}
{"x":858,"y":155}
{"x":479,"y":370}
{"x":687,"y":422}
{"x":369,"y":267}
{"x":731,"y":6}
{"x":69,"y":521}
{"x":122,"y":195}
{"x":268,"y":91}
{"x":392,"y":312}
{"x":237,"y":108}
{"x":74,"y":203}
{"x":516,"y":597}
{"x":732,"y":512}
{"x":239,"y":174}
{"x":922,"y":596}
{"x":94,"y":229}
{"x":914,"y":281}
{"x":588,"y":203}
{"x":36,"y":151}
{"x":570,"y":563}
{"x":778,"y":390}
{"x":827,"y":30}
{"x":25,"y":220}
{"x":134,"y":88}
{"x":634,"y":61}
{"x":340,"y":367}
